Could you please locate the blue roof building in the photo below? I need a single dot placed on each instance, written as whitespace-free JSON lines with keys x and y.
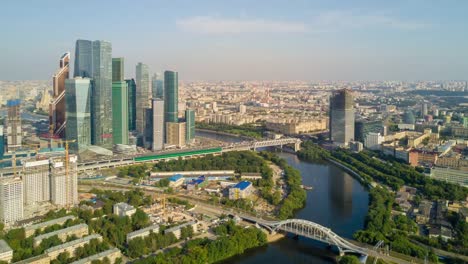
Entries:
{"x":176,"y":177}
{"x":243,"y":185}
{"x":240,"y":191}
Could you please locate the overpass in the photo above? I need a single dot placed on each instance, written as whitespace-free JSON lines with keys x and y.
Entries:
{"x":254,"y":145}
{"x":310,"y":230}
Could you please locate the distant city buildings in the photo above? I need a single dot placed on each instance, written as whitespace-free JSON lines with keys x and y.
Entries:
{"x":189,"y":125}
{"x":342,"y":117}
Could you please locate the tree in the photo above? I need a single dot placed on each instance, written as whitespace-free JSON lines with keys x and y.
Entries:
{"x":140,"y":219}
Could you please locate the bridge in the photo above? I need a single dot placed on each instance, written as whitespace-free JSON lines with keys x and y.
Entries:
{"x":310,"y":230}
{"x":254,"y":145}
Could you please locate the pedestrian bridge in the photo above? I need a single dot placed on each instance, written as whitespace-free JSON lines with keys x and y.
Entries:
{"x":310,"y":230}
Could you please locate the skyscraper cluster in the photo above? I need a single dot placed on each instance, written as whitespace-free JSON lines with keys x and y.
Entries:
{"x":99,"y":107}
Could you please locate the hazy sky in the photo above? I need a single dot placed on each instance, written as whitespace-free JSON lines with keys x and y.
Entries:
{"x":245,"y":39}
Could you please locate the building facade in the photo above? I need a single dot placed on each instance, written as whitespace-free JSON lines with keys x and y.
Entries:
{"x":158,"y":124}
{"x":36,"y":181}
{"x":342,"y":117}
{"x":120,"y":112}
{"x":64,"y":181}
{"x":14,"y":134}
{"x":78,"y":113}
{"x":176,"y":134}
{"x":131,"y":85}
{"x":57,"y":108}
{"x":143,"y":95}
{"x":11,"y":200}
{"x":190,"y":125}
{"x":157,"y":85}
{"x":171,"y":96}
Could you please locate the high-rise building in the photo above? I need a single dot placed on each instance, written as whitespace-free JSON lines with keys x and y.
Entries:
{"x":175,"y":134}
{"x":93,"y":59}
{"x":120,"y":112}
{"x":190,"y":125}
{"x":158,"y":124}
{"x":78,"y":113}
{"x":63,"y":181}
{"x":36,"y":181}
{"x":119,"y":103}
{"x":11,"y":200}
{"x":117,"y":69}
{"x":408,"y":117}
{"x":143,"y":95}
{"x":2,"y":143}
{"x":157,"y":85}
{"x":148,"y":133}
{"x":101,"y":100}
{"x":57,"y":110}
{"x":342,"y":117}
{"x":83,"y":58}
{"x":131,"y":104}
{"x":13,"y":125}
{"x":171,"y":96}
{"x":424,"y":110}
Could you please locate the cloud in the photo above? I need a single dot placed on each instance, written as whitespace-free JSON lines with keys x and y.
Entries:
{"x":341,"y":20}
{"x":327,"y":21}
{"x":216,"y":25}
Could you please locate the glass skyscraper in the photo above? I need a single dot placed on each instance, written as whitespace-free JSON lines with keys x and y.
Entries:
{"x":342,"y":117}
{"x":78,"y":113}
{"x":157,"y":85}
{"x":158,"y":124}
{"x":171,"y":96}
{"x":119,"y":103}
{"x":101,"y":132}
{"x":83,"y":58}
{"x":117,"y":69}
{"x":93,"y":59}
{"x":190,"y":125}
{"x":131,"y":104}
{"x":143,"y":95}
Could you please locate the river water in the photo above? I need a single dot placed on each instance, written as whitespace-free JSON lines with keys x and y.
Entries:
{"x":337,"y":201}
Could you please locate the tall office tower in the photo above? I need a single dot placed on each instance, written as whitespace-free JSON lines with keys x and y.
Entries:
{"x":342,"y":117}
{"x":143,"y":95}
{"x":148,"y":133}
{"x":190,"y":125}
{"x":158,"y":124}
{"x":131,"y":104}
{"x":101,"y":99}
{"x":13,"y":125}
{"x":63,"y":182}
{"x":11,"y":200}
{"x":424,"y":109}
{"x":83,"y":59}
{"x":36,"y":181}
{"x":78,"y":113}
{"x":171,"y":96}
{"x":57,"y":110}
{"x":157,"y":86}
{"x":119,"y":103}
{"x":175,"y":134}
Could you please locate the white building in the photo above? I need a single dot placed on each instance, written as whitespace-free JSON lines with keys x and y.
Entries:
{"x":177,"y":230}
{"x":124,"y":209}
{"x":11,"y":200}
{"x":373,"y":140}
{"x":143,"y":232}
{"x":36,"y":180}
{"x":6,"y":253}
{"x":63,"y":184}
{"x":158,"y":124}
{"x":242,"y":109}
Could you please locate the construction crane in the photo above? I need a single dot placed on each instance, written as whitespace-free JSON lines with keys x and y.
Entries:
{"x":67,"y":177}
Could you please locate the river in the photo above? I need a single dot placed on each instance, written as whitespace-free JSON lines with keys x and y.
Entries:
{"x":337,"y":201}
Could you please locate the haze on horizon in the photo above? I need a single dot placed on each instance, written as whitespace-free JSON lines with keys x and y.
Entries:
{"x":245,"y":40}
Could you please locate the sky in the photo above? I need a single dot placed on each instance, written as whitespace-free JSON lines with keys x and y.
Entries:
{"x":244,"y":39}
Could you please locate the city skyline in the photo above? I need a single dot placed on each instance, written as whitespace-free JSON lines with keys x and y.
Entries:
{"x":363,"y":40}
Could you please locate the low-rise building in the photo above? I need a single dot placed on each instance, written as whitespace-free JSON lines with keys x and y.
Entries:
{"x":112,"y":255}
{"x":70,"y":246}
{"x":450,"y":175}
{"x":294,"y":127}
{"x":30,"y":230}
{"x":241,"y":190}
{"x":124,"y":209}
{"x":143,"y":232}
{"x":6,"y":253}
{"x":77,"y":230}
{"x":176,"y":230}
{"x":200,"y":182}
{"x":176,"y":180}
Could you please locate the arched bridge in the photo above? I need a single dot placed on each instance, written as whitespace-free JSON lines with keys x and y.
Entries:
{"x":310,"y":230}
{"x":253,"y":145}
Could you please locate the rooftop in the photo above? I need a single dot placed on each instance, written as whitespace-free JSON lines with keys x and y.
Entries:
{"x":4,"y":247}
{"x":143,"y":230}
{"x":176,"y":177}
{"x":73,"y":242}
{"x":71,"y":228}
{"x":172,"y":229}
{"x":49,"y":223}
{"x":242,"y":185}
{"x":97,"y":256}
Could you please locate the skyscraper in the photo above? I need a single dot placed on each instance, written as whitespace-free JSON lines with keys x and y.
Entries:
{"x":83,"y":58}
{"x":101,"y":100}
{"x":36,"y":181}
{"x":190,"y":125}
{"x":57,"y":106}
{"x":171,"y":96}
{"x":175,"y":133}
{"x":78,"y":113}
{"x":424,"y":109}
{"x":158,"y":124}
{"x":13,"y":125}
{"x":119,"y":103}
{"x":143,"y":95}
{"x":342,"y":117}
{"x":94,"y":60}
{"x":131,"y":104}
{"x":63,"y":184}
{"x":148,"y":133}
{"x":11,"y":200}
{"x":157,"y":86}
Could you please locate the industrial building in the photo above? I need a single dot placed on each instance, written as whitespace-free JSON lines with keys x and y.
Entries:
{"x":176,"y":180}
{"x":241,"y":190}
